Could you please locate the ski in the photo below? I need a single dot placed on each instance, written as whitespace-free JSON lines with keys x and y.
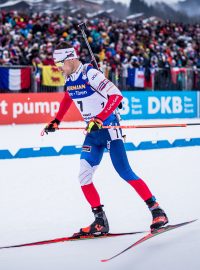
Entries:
{"x":72,"y":238}
{"x":149,"y":236}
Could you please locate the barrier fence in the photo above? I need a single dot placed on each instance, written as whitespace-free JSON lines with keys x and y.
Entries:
{"x":14,"y":79}
{"x":157,"y":79}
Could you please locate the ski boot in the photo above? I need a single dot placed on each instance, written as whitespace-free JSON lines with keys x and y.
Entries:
{"x":159,"y":216}
{"x":99,"y":226}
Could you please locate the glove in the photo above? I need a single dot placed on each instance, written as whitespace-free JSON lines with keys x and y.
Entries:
{"x":52,"y":126}
{"x":94,"y":125}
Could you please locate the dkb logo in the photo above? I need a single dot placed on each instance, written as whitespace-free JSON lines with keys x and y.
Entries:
{"x":165,"y":105}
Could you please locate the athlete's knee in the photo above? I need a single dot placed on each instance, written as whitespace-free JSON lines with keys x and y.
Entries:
{"x":124,"y":170}
{"x":86,"y":172}
{"x":128,"y":174}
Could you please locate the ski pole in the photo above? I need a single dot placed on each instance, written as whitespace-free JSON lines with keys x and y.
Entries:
{"x":137,"y":126}
{"x":129,"y":126}
{"x":132,"y":126}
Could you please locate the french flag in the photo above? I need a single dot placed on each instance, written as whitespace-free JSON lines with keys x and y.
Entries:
{"x":15,"y":79}
{"x":139,"y":79}
{"x":136,"y":77}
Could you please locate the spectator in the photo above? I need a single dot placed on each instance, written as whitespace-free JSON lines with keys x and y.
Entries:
{"x":48,"y":61}
{"x":149,"y":44}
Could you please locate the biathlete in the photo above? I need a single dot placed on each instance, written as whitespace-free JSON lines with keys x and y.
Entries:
{"x":97,"y":98}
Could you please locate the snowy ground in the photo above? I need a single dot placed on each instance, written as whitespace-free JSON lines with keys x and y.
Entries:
{"x":40,"y":199}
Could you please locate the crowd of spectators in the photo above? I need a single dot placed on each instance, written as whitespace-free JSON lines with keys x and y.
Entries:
{"x":30,"y":40}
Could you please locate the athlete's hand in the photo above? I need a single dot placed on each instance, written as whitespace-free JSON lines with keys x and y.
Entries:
{"x":94,"y":125}
{"x":52,"y":126}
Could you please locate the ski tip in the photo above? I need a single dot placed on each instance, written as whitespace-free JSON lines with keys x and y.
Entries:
{"x":105,"y":260}
{"x":191,"y":221}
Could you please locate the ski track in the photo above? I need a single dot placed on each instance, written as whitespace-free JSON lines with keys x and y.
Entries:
{"x":41,"y":199}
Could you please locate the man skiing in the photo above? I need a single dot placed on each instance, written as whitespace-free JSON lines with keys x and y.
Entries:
{"x":97,"y":98}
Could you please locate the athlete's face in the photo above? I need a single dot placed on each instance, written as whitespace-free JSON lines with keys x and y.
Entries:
{"x":67,"y":67}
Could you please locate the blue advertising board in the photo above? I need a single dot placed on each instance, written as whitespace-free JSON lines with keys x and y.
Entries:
{"x":160,"y":105}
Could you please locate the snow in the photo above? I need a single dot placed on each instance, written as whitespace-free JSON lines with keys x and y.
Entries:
{"x":41,"y":199}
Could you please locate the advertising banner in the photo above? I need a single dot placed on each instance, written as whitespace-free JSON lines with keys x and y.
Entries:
{"x":160,"y":105}
{"x":198,"y":104}
{"x":33,"y":108}
{"x":28,"y":108}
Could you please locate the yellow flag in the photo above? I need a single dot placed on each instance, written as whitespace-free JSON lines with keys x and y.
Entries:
{"x":52,"y":76}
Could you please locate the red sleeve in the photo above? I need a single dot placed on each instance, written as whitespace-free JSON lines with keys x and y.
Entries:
{"x":111,"y":105}
{"x":64,"y":106}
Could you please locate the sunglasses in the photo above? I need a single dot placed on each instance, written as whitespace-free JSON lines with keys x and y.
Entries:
{"x":61,"y":63}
